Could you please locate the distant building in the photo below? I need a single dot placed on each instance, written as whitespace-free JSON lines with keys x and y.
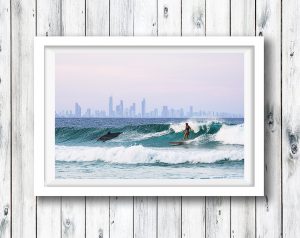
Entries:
{"x":165,"y":112}
{"x":132,"y":110}
{"x":144,"y":108}
{"x":110,"y":106}
{"x":77,"y":110}
{"x":191,"y":112}
{"x":88,"y":113}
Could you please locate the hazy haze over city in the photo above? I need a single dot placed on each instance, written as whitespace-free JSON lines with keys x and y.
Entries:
{"x":176,"y":78}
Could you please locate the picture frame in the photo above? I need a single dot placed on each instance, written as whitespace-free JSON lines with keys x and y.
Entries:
{"x":47,"y":184}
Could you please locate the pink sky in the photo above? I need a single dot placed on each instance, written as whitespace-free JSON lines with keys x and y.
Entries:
{"x":177,"y":78}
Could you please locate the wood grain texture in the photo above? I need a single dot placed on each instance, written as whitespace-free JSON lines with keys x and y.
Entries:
{"x":121,"y":217}
{"x":268,"y":208}
{"x":97,"y":217}
{"x":48,"y":223}
{"x":145,"y":208}
{"x":218,"y":17}
{"x":169,"y":217}
{"x":242,"y":208}
{"x":145,"y":17}
{"x":290,"y":117}
{"x":145,"y":217}
{"x":97,"y":208}
{"x":48,"y":208}
{"x":121,"y":17}
{"x":193,"y":17}
{"x":23,"y":200}
{"x":169,"y":208}
{"x":73,"y":209}
{"x":5,"y":120}
{"x":217,"y":208}
{"x":193,"y":217}
{"x":73,"y":217}
{"x":97,"y":17}
{"x":169,"y":17}
{"x":193,"y":208}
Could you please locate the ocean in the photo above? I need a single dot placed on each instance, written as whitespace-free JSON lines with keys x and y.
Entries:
{"x":215,"y":149}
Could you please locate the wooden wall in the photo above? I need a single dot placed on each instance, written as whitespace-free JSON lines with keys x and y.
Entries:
{"x":274,"y":215}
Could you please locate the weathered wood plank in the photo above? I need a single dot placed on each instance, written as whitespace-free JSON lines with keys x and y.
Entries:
{"x":290,"y":117}
{"x":48,"y":217}
{"x":73,"y":209}
{"x":121,"y":208}
{"x":193,"y":17}
{"x":169,"y":208}
{"x":23,"y":200}
{"x":169,"y":17}
{"x":121,"y":17}
{"x":121,"y":217}
{"x":97,"y":208}
{"x":145,"y":217}
{"x":218,"y":208}
{"x":193,"y":208}
{"x":193,"y":217}
{"x":5,"y":120}
{"x":145,"y":17}
{"x":145,"y":208}
{"x":73,"y":17}
{"x":169,"y":217}
{"x":268,"y":208}
{"x":242,"y":208}
{"x":97,"y":217}
{"x":73,"y":217}
{"x":218,"y":17}
{"x":48,"y":208}
{"x":97,"y":17}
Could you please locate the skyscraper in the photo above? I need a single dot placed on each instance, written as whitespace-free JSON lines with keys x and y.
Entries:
{"x":77,"y":110}
{"x":165,"y":112}
{"x":110,"y":106}
{"x":143,"y":107}
{"x":191,"y":113}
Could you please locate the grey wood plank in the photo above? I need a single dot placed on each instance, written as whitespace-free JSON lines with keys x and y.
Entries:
{"x":193,"y":17}
{"x":121,"y":217}
{"x":268,"y":208}
{"x":193,"y":208}
{"x":48,"y":208}
{"x":218,"y":208}
{"x":73,"y":208}
{"x":145,"y":208}
{"x":242,"y":208}
{"x":23,"y":14}
{"x":5,"y":120}
{"x":169,"y":208}
{"x":97,"y":217}
{"x":97,"y":17}
{"x":121,"y":17}
{"x":97,"y":208}
{"x":121,"y":208}
{"x":169,"y":217}
{"x":290,"y":118}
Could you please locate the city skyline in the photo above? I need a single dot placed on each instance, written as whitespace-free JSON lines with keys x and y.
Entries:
{"x":176,"y":77}
{"x":120,"y":111}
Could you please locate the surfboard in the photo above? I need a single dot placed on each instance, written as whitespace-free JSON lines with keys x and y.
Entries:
{"x":177,"y":142}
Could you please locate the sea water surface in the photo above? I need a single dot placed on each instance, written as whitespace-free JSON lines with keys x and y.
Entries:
{"x":215,"y":149}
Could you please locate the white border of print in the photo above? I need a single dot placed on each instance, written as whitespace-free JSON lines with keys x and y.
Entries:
{"x":45,"y":183}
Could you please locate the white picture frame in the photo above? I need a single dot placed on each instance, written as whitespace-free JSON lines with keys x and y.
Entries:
{"x":45,"y":183}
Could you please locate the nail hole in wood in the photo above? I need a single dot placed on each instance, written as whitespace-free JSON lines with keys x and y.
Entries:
{"x":166,"y":11}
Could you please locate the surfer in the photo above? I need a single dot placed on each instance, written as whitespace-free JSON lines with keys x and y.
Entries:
{"x":187,"y":131}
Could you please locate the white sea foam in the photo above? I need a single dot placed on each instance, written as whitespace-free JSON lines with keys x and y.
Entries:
{"x":195,"y":125}
{"x":231,"y":134}
{"x":140,"y":154}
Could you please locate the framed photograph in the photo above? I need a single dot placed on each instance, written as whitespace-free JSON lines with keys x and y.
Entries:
{"x":145,"y":116}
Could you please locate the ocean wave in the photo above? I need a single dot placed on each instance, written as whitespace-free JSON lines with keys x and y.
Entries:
{"x":157,"y":135}
{"x":139,"y":154}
